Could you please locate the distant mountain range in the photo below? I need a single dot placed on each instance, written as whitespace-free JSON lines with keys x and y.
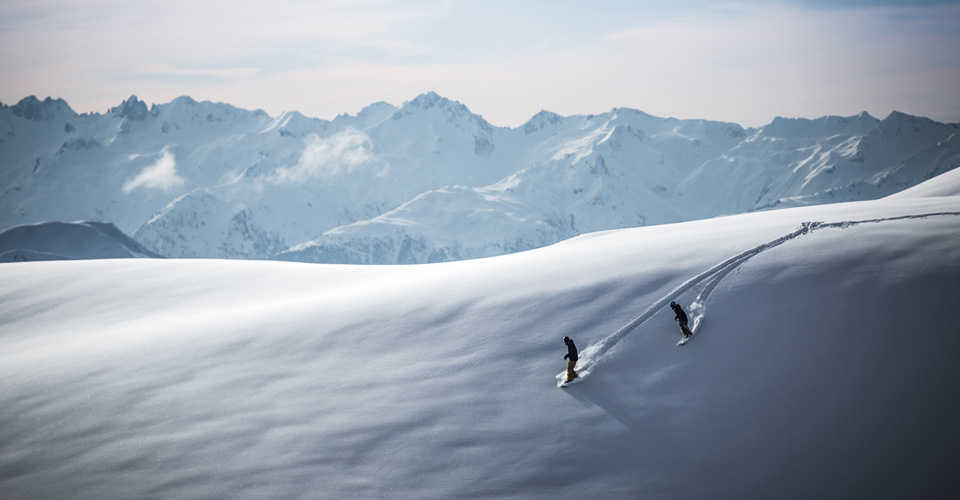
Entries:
{"x":429,"y":180}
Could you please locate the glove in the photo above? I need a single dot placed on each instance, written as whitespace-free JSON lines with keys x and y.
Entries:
{"x":565,"y":356}
{"x":675,"y":318}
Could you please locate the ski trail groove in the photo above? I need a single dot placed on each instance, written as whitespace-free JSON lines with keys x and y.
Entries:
{"x":712,"y":277}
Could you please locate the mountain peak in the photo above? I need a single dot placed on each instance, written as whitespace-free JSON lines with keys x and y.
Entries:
{"x":132,"y":108}
{"x":31,"y":108}
{"x":631,"y":111}
{"x":374,"y":113}
{"x":185,"y":100}
{"x":294,"y":124}
{"x":820,"y":127}
{"x":899,"y":117}
{"x":431,"y":99}
{"x":454,"y":111}
{"x":186,"y":108}
{"x":541,"y":120}
{"x":377,"y":108}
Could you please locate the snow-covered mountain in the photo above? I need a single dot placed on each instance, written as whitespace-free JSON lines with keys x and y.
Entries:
{"x":824,"y":365}
{"x":68,"y":241}
{"x":429,"y":180}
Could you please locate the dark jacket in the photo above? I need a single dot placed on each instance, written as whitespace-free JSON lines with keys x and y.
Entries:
{"x":681,"y":316}
{"x":571,"y":351}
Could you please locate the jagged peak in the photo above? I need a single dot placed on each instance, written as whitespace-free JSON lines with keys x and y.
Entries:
{"x":454,"y":111}
{"x":31,"y":108}
{"x":131,"y":109}
{"x":432,"y":99}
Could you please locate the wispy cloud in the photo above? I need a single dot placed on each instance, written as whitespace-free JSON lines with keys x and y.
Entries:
{"x":161,"y":175}
{"x":746,"y":65}
{"x":328,"y":157}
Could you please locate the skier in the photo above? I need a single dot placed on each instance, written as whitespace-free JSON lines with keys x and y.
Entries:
{"x":682,"y":318}
{"x":571,"y":358}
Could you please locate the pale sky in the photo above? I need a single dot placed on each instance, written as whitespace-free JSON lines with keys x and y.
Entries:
{"x":742,"y":61}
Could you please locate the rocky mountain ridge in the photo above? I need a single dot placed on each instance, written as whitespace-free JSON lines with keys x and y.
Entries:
{"x":429,"y":180}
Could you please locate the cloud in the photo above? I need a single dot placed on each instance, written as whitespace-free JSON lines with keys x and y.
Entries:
{"x":161,"y":175}
{"x":160,"y":70}
{"x":745,"y":65}
{"x":744,"y":61}
{"x":329,"y":157}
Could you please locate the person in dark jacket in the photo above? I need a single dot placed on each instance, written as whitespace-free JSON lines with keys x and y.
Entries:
{"x":681,"y":317}
{"x":571,"y":358}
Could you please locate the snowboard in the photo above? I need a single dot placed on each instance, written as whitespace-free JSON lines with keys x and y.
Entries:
{"x":563,"y":384}
{"x":698,"y":325}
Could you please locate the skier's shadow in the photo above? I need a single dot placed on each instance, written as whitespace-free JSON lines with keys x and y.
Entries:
{"x":600,"y":394}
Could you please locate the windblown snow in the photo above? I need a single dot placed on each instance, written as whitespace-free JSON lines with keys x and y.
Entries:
{"x":823,"y":366}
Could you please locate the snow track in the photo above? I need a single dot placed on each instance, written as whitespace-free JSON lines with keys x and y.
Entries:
{"x":707,"y":281}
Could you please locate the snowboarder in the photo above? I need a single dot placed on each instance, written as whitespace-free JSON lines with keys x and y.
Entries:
{"x":571,"y":358}
{"x":682,"y":318}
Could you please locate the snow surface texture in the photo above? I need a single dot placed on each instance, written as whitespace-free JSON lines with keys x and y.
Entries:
{"x":429,"y":181}
{"x":68,"y":241}
{"x":827,"y":368}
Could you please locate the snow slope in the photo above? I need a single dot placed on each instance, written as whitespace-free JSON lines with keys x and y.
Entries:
{"x":429,"y":180}
{"x":66,"y":241}
{"x":824,"y":366}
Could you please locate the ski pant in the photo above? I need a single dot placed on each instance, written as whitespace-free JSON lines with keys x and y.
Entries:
{"x":570,"y":373}
{"x":686,"y":331}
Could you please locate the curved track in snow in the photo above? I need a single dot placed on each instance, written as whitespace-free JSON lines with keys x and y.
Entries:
{"x":709,"y":280}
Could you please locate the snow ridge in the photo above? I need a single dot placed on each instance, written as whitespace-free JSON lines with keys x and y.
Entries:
{"x":68,"y":241}
{"x":593,"y":354}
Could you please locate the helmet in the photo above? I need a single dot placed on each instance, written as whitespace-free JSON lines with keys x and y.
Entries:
{"x":672,"y":303}
{"x":566,"y":339}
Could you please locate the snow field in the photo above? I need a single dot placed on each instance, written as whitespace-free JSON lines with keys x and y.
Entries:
{"x":826,"y":368}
